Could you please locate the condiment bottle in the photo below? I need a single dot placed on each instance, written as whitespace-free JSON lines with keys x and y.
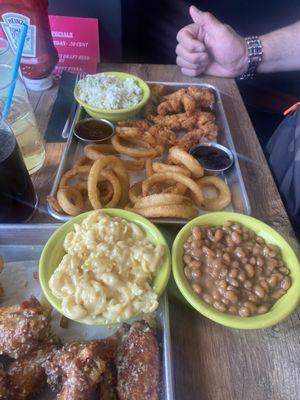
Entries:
{"x":39,"y":56}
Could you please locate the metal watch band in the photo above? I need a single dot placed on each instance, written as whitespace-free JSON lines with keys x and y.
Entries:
{"x":255,"y":53}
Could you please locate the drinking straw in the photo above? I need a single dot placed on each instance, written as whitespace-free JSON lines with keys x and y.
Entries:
{"x":15,"y":69}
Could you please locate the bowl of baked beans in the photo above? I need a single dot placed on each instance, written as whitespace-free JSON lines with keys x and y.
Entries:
{"x":236,"y":270}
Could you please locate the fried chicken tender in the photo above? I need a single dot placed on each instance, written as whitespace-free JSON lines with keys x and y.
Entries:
{"x":4,"y":392}
{"x":162,"y":135}
{"x":204,"y":133}
{"x":157,"y":91}
{"x":23,"y":327}
{"x":138,"y":366}
{"x":189,"y":104}
{"x":26,"y":377}
{"x":142,"y":124}
{"x":180,"y":121}
{"x":126,"y":132}
{"x":172,"y":103}
{"x":204,"y":97}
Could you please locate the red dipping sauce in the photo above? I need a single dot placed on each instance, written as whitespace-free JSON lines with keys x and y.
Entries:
{"x":39,"y":56}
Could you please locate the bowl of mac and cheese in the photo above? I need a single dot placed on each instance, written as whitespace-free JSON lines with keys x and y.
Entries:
{"x":105,"y":267}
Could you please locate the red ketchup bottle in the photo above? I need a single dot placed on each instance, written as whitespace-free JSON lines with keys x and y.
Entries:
{"x":39,"y":56}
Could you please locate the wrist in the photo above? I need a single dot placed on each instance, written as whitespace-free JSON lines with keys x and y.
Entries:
{"x":254,"y":56}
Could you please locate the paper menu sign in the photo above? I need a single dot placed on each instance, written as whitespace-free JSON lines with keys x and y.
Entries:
{"x":77,"y":42}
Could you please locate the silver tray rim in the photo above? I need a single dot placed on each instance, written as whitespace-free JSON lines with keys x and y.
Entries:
{"x":169,"y":221}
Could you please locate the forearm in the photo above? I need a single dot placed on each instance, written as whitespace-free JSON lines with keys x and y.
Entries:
{"x":281,"y":50}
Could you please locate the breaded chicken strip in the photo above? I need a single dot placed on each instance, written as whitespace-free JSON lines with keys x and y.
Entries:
{"x":138,"y":365}
{"x":181,"y":121}
{"x":23,"y":327}
{"x":202,"y":134}
{"x":204,"y":97}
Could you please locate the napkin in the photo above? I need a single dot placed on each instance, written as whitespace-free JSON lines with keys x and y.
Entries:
{"x":61,"y":108}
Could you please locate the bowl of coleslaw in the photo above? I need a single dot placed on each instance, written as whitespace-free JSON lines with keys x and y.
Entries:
{"x":114,"y":96}
{"x":105,"y":267}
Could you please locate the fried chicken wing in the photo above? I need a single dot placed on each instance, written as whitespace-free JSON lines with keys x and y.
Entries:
{"x":204,"y":97}
{"x":4,"y":392}
{"x":23,"y":327}
{"x":75,"y":370}
{"x":138,"y":366}
{"x":26,"y":377}
{"x":108,"y":384}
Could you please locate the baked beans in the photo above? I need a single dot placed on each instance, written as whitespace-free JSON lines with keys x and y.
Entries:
{"x":234,"y":270}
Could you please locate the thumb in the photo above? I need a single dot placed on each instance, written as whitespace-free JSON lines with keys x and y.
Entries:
{"x":205,"y":19}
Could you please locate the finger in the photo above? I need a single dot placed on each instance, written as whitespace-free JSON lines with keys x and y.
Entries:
{"x":193,"y":58}
{"x":205,"y":19}
{"x":188,"y":39}
{"x":193,"y":72}
{"x":185,"y":64}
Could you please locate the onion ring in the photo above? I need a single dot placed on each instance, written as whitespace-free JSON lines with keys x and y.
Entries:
{"x":117,"y":166}
{"x":134,"y":165}
{"x":106,"y":191}
{"x":70,"y":200}
{"x":94,"y":151}
{"x":148,"y":167}
{"x":161,"y":167}
{"x":83,"y":170}
{"x":135,"y":192}
{"x":224,"y":194}
{"x":82,"y":161}
{"x":54,"y":204}
{"x":117,"y":190}
{"x":162,"y":199}
{"x":148,"y":151}
{"x":180,"y":156}
{"x":174,"y":211}
{"x":82,"y":187}
{"x":188,"y":182}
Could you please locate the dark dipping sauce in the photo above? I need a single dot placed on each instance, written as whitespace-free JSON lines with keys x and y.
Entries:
{"x":94,"y":130}
{"x":212,"y":158}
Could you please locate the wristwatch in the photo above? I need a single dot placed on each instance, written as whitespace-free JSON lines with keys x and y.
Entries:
{"x":255,"y":52}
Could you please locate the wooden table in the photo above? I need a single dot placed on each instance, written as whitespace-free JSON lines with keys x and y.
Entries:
{"x":211,"y":361}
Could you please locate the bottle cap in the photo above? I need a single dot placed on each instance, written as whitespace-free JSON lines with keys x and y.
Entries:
{"x":38,"y":84}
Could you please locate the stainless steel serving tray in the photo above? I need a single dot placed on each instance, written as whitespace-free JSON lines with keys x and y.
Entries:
{"x":25,"y":243}
{"x":240,"y":202}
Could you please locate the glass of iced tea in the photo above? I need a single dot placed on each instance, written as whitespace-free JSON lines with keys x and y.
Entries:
{"x":18,"y":200}
{"x":22,"y":121}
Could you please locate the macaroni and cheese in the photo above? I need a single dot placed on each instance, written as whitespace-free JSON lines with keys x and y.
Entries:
{"x":107,"y":270}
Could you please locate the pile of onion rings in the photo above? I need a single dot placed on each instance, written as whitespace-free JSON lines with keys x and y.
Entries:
{"x":171,"y":181}
{"x":173,"y":189}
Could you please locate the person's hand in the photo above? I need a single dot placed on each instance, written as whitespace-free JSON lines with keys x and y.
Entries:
{"x":210,"y":47}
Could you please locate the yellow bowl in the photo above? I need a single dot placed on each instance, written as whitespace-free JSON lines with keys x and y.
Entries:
{"x":53,"y":253}
{"x":280,"y":310}
{"x":120,"y":114}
